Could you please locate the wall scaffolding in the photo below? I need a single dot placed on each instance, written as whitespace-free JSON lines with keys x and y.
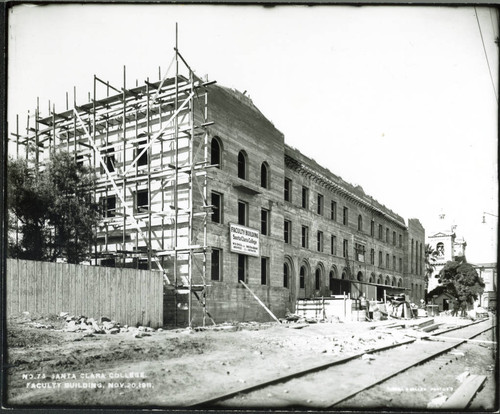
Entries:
{"x":147,"y":148}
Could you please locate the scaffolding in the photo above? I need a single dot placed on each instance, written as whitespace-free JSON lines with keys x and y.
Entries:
{"x":148,"y":149}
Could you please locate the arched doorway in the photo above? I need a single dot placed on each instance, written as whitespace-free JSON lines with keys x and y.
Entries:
{"x":305,"y":286}
{"x":345,"y":284}
{"x":334,"y":284}
{"x":290,"y":277}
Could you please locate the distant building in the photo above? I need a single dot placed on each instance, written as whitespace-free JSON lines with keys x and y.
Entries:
{"x":489,"y":274}
{"x":447,"y":247}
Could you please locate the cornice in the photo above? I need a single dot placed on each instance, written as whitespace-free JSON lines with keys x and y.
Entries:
{"x":326,"y":182}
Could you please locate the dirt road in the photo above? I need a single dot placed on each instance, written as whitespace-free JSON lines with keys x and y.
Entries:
{"x":169,"y":368}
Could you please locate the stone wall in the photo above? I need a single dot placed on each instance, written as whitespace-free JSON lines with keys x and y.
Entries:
{"x":228,"y":302}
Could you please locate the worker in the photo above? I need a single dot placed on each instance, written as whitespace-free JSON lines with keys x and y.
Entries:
{"x":363,"y":302}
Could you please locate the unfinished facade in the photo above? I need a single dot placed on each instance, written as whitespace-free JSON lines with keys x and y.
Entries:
{"x":195,"y":182}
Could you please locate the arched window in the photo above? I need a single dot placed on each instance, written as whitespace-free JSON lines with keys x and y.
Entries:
{"x":360,"y":277}
{"x":286,"y":274}
{"x":360,"y":222}
{"x":264,"y":175}
{"x":317,"y":279}
{"x":242,"y":165}
{"x":372,"y":278}
{"x":400,"y":283}
{"x":331,"y":280}
{"x":344,"y":275}
{"x":215,"y":152}
{"x":302,"y":277}
{"x":388,"y":281}
{"x":380,"y":280}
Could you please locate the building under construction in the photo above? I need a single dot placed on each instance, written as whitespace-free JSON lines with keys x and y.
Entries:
{"x":195,"y":182}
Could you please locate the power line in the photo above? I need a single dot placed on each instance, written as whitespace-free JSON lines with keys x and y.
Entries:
{"x":485,"y":54}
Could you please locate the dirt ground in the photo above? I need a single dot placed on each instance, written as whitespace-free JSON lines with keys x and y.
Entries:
{"x":48,"y":366}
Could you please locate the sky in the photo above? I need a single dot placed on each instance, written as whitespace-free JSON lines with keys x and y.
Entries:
{"x":400,"y":100}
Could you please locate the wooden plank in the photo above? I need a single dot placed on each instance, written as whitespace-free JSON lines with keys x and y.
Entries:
{"x":123,"y":296}
{"x":64,"y":288}
{"x":8,"y":285}
{"x":13,"y":286}
{"x":419,"y":323}
{"x":116,"y":294}
{"x":59,"y":289}
{"x":32,"y":298}
{"x":99,"y":272}
{"x":138,"y":299}
{"x":21,"y":268}
{"x":150,"y":299}
{"x":102,"y":290}
{"x":128,"y":294}
{"x":44,"y":269}
{"x":464,"y":394}
{"x":113,"y":277}
{"x":88,"y":272}
{"x":145,"y":292}
{"x":38,"y":269}
{"x":67,"y":288}
{"x":86,"y":290}
{"x":49,"y":272}
{"x":71,"y":289}
{"x":120,"y":296}
{"x":132,"y":303}
{"x":106,"y":295}
{"x":94,"y":313}
{"x":79,"y":291}
{"x":88,"y":278}
{"x":157,"y":305}
{"x":23,"y":275}
{"x":129,"y":298}
{"x":51,"y":286}
{"x":159,"y":298}
{"x":432,"y":327}
{"x":453,"y":339}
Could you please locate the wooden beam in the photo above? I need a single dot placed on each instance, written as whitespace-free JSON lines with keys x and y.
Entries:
{"x":451,"y":338}
{"x":461,"y":398}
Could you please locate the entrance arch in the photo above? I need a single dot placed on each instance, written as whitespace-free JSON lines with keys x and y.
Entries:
{"x":304,"y":279}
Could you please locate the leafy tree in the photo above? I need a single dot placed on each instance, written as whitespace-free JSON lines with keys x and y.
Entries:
{"x":54,"y":207}
{"x":459,"y":279}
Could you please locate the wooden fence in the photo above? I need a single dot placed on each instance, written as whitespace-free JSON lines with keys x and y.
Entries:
{"x":127,"y":296}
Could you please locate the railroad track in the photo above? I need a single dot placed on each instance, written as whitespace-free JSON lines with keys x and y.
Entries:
{"x":325,"y":385}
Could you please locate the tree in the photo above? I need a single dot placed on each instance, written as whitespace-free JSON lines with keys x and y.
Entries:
{"x":54,"y":207}
{"x":459,"y":279}
{"x":430,"y":263}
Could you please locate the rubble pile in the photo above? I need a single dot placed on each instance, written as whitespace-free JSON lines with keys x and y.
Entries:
{"x":90,"y":326}
{"x":235,"y":326}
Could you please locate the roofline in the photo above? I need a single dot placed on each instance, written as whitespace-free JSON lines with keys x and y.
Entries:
{"x":329,"y":183}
